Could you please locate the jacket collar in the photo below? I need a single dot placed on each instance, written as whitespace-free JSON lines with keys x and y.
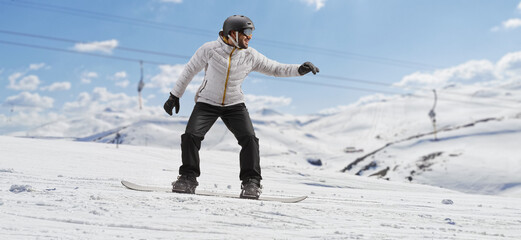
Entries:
{"x":225,"y":46}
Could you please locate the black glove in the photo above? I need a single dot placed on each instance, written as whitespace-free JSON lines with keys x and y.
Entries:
{"x":172,"y":102}
{"x":307,"y":67}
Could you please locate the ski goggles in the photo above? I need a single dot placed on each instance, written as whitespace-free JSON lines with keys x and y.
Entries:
{"x":247,"y":31}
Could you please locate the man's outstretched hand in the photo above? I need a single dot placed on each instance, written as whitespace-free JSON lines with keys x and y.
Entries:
{"x":172,"y":102}
{"x":307,"y":67}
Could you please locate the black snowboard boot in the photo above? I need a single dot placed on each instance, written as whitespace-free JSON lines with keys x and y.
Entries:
{"x":251,"y":188}
{"x":185,"y":184}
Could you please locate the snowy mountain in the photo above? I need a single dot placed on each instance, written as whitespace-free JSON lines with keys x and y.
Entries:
{"x":390,"y":137}
{"x":474,"y":149}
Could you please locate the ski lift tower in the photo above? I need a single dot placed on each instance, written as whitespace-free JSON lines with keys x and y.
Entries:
{"x":432,"y":115}
{"x":140,"y":86}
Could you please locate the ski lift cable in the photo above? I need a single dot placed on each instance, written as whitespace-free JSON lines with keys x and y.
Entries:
{"x":344,"y":54}
{"x":76,"y":41}
{"x":382,"y":91}
{"x":101,"y":16}
{"x":165,"y":26}
{"x":364,"y":81}
{"x":324,"y":84}
{"x":187,"y":57}
{"x":276,"y":79}
{"x":174,"y":55}
{"x":81,"y":53}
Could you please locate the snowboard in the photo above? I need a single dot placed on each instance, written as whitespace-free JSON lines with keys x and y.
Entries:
{"x":138,"y":187}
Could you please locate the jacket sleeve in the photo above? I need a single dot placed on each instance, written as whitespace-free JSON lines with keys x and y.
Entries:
{"x":194,"y":66}
{"x":270,"y":67}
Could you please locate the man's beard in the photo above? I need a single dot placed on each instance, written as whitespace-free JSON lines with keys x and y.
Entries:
{"x":241,"y":45}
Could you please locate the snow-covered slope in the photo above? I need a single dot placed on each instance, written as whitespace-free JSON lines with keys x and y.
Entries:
{"x":388,"y":137}
{"x":60,"y":189}
{"x":474,"y":150}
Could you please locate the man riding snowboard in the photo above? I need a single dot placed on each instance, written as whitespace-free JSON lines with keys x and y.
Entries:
{"x":226,"y":61}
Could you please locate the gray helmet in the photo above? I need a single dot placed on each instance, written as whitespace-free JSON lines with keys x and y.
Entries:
{"x":237,"y":23}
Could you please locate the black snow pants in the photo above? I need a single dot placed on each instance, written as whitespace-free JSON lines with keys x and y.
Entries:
{"x":237,"y":120}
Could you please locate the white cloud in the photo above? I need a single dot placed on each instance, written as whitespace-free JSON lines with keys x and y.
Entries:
{"x":169,"y":74}
{"x":123,"y":83}
{"x":86,"y":77}
{"x":18,"y":81}
{"x":171,"y":1}
{"x":473,"y":71}
{"x":99,"y":100}
{"x":121,"y":74}
{"x":13,"y":77}
{"x":57,"y":86}
{"x":103,"y":95}
{"x":121,"y":79}
{"x":103,"y":46}
{"x":318,"y":4}
{"x":511,"y":23}
{"x":259,"y":102}
{"x":23,"y":120}
{"x":90,"y":74}
{"x":29,"y":100}
{"x":365,"y":100}
{"x":36,"y":66}
{"x":509,"y":66}
{"x":82,"y":101}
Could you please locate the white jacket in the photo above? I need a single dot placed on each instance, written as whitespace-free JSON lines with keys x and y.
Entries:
{"x":225,"y":69}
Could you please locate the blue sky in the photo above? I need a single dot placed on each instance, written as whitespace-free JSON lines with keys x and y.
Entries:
{"x":369,"y":40}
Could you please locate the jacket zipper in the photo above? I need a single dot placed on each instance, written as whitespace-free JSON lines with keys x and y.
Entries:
{"x":228,"y":75}
{"x":204,"y":86}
